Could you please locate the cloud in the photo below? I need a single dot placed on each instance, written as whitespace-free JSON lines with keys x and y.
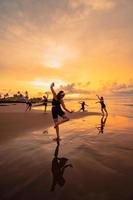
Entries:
{"x":90,"y":39}
{"x":116,"y":88}
{"x":93,"y":4}
{"x":73,"y":88}
{"x":123,"y":89}
{"x":106,"y":88}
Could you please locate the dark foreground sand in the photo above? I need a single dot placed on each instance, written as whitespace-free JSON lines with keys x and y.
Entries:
{"x":101,"y":166}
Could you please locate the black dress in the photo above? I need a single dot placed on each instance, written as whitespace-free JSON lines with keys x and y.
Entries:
{"x":56,"y":109}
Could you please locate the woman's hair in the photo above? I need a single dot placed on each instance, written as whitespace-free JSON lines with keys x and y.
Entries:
{"x":60,"y":95}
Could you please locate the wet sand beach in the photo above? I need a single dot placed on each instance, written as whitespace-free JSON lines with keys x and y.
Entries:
{"x":97,"y":157}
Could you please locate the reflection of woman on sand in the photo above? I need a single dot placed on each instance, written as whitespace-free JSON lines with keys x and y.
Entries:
{"x":102,"y":125}
{"x":58,"y":168}
{"x":57,"y":105}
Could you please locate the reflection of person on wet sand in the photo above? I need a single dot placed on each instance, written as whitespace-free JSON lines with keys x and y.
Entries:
{"x":102,"y":125}
{"x":57,"y":105}
{"x":58,"y":168}
{"x":83,"y":104}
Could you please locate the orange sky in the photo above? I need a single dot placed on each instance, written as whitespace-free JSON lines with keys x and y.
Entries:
{"x":84,"y":45}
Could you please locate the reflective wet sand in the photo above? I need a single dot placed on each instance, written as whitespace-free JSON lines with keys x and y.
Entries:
{"x":94,"y":160}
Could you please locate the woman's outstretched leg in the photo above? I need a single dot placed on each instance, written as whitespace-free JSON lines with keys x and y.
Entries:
{"x":65,"y":119}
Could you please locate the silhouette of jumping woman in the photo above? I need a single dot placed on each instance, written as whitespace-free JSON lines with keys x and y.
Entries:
{"x":83,"y":104}
{"x":57,"y":105}
{"x":58,"y":168}
{"x":103,"y":106}
{"x":45,"y":102}
{"x":102,"y":125}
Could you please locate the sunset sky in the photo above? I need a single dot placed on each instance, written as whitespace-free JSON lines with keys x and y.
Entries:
{"x":84,"y":45}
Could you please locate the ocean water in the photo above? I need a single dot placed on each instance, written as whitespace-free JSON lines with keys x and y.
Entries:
{"x":116,"y":106}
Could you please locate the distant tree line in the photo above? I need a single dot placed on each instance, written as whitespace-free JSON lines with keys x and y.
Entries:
{"x":19,"y":98}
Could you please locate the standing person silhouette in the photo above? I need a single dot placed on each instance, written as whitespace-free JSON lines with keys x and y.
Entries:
{"x":28,"y":105}
{"x":58,"y":168}
{"x":103,"y":106}
{"x":83,"y":104}
{"x":45,"y":102}
{"x":57,"y":105}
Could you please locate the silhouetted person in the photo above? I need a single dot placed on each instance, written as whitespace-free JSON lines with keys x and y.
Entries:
{"x":103,"y":106}
{"x":58,"y":168}
{"x":45,"y":102}
{"x":83,"y":104}
{"x":57,"y":105}
{"x":102,"y":125}
{"x":28,"y":105}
